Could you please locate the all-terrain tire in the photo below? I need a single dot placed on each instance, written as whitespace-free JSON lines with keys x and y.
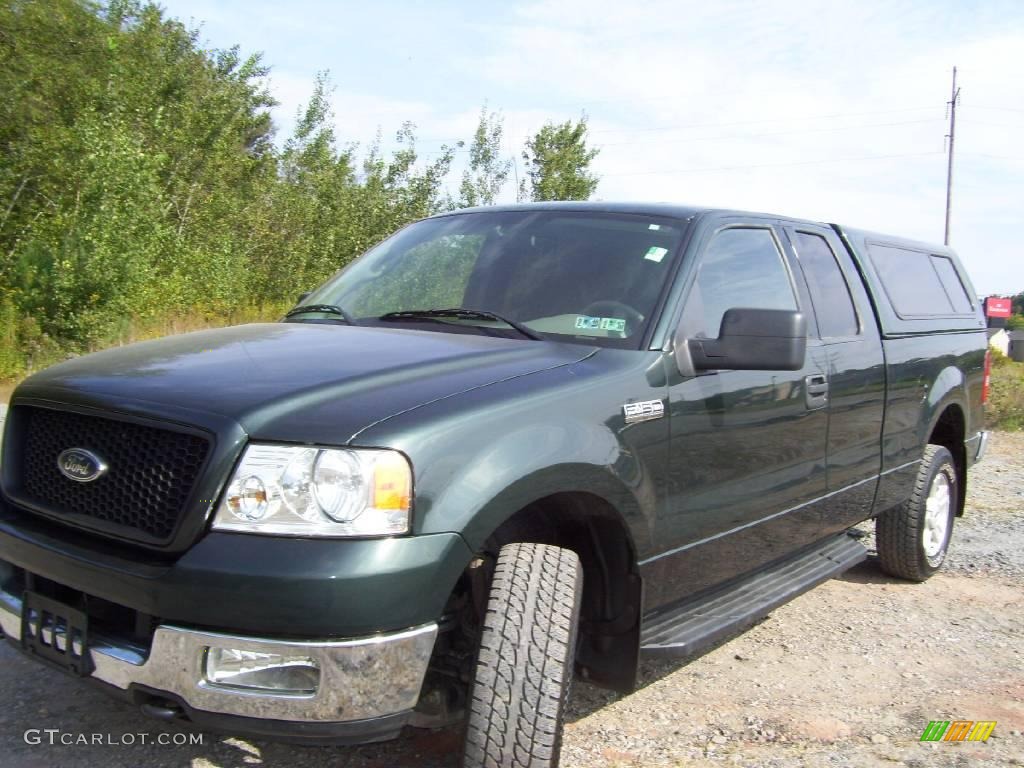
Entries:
{"x":901,"y":534}
{"x":525,"y":659}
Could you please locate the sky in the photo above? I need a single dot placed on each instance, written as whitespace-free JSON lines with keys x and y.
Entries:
{"x":834,"y":111}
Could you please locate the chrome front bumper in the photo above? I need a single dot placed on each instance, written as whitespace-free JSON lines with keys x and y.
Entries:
{"x":360,"y":679}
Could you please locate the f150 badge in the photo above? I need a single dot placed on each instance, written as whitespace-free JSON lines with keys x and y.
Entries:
{"x":645,"y":410}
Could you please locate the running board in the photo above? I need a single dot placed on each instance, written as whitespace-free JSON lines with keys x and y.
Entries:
{"x":692,"y":627}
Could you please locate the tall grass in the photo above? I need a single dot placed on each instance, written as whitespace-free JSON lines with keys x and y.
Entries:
{"x":44,"y":352}
{"x":153,"y":328}
{"x":1006,"y":398}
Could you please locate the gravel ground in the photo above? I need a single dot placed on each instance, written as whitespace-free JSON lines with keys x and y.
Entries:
{"x":847,"y":675}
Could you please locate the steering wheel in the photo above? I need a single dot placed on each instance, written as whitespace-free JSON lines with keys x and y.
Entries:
{"x":612,"y":308}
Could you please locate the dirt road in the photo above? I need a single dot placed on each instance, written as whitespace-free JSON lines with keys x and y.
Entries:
{"x":846,"y":675}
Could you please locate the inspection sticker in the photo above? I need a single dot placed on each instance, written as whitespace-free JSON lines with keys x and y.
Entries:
{"x":655,"y":254}
{"x":585,"y":322}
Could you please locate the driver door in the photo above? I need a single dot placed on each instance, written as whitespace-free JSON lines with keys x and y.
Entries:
{"x":747,"y":448}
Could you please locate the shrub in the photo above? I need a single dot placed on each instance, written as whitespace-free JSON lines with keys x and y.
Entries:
{"x":1006,"y":397}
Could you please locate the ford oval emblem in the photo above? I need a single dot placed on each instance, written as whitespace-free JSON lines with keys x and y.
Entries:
{"x":81,"y":465}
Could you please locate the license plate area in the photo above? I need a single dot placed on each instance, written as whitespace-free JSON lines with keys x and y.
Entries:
{"x":56,"y":632}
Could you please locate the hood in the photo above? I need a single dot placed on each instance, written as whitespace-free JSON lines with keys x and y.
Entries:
{"x":295,"y":382}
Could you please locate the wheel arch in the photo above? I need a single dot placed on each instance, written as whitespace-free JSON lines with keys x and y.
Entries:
{"x":948,"y":429}
{"x":593,"y":528}
{"x":570,"y":484}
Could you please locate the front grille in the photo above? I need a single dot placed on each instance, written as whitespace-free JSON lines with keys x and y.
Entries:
{"x":143,"y":494}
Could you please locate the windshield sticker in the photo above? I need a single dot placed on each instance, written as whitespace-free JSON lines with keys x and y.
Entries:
{"x":655,"y":254}
{"x":587,"y":323}
{"x":655,"y":227}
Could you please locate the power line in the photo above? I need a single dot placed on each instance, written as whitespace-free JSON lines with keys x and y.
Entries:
{"x":683,"y":126}
{"x":819,"y":129}
{"x":829,"y":116}
{"x":771,"y":165}
{"x":997,"y":109}
{"x":972,"y":121}
{"x":829,"y":129}
{"x":993,"y":157}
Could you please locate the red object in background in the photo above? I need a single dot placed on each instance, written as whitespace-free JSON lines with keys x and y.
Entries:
{"x":996,"y":307}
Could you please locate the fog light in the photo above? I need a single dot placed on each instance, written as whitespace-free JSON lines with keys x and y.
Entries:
{"x":267,"y":672}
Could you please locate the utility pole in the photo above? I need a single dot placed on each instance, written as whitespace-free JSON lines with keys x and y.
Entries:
{"x":952,"y":134}
{"x":515,"y":170}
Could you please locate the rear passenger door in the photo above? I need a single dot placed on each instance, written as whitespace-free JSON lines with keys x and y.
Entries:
{"x":854,"y":366}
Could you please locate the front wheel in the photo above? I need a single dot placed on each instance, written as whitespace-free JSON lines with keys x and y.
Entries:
{"x":525,"y":659}
{"x":912,"y":539}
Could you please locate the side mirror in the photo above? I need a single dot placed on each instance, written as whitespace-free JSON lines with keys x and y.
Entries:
{"x":303,"y":297}
{"x":749,"y":340}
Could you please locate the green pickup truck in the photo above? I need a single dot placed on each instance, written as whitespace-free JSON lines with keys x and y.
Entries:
{"x":506,"y":447}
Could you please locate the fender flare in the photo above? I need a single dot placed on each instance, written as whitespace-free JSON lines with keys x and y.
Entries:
{"x":563,"y":478}
{"x":949,"y":388}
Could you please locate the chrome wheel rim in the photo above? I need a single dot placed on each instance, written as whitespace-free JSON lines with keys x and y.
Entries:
{"x":936,"y":516}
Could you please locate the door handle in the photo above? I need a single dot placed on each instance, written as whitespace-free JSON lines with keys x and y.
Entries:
{"x":816,"y":388}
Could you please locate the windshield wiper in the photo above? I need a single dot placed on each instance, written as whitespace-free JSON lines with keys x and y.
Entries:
{"x":327,"y":309}
{"x":461,"y":314}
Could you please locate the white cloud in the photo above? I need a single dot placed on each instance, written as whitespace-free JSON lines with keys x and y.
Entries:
{"x":812,"y":108}
{"x":728,"y":104}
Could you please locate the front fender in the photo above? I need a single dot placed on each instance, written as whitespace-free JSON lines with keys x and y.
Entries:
{"x":483,"y":456}
{"x":563,"y":478}
{"x":474,"y":495}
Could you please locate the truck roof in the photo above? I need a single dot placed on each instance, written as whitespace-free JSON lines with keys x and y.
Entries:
{"x":669,"y":210}
{"x":687,"y":212}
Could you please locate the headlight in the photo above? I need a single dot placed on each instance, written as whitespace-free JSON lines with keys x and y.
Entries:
{"x":303,"y":491}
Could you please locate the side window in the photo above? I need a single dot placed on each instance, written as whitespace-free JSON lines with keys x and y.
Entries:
{"x":910,"y":281}
{"x":740,"y":267}
{"x":829,"y":291}
{"x":953,"y":285}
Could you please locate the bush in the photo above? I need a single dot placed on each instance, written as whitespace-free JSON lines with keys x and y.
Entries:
{"x":11,"y":357}
{"x":1006,"y":397}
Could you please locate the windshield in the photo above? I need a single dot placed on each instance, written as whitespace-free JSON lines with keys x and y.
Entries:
{"x":577,"y":276}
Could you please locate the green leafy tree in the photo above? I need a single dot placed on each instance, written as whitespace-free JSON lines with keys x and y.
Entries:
{"x":140,"y":184}
{"x":131,"y":156}
{"x":1015,"y":322}
{"x":558,"y":163}
{"x":397,"y":190}
{"x":488,"y":170}
{"x":304,"y":229}
{"x":1018,"y":303}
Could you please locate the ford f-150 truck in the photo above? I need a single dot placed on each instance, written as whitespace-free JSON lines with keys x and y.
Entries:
{"x":505,"y":447}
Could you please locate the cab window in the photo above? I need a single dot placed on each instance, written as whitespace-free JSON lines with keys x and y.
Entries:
{"x":740,"y":267}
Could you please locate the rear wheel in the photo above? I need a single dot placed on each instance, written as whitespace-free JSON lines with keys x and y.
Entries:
{"x":525,"y":659}
{"x":912,"y":539}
